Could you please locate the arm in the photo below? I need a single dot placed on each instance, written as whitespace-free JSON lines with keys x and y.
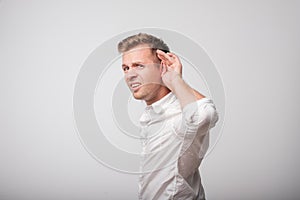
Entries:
{"x":172,"y":78}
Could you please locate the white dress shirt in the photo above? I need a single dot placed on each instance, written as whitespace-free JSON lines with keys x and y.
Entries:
{"x":174,"y":141}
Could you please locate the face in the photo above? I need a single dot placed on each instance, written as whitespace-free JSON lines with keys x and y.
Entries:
{"x":142,"y":73}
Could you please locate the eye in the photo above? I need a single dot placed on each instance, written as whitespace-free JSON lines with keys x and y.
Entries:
{"x":125,"y":68}
{"x":141,"y":66}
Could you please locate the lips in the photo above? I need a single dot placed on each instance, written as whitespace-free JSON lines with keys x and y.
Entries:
{"x":135,"y":86}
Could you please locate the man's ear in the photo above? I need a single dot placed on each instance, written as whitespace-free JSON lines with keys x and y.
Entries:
{"x":157,"y":57}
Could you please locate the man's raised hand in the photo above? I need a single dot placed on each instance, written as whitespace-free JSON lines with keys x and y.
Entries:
{"x":171,"y":68}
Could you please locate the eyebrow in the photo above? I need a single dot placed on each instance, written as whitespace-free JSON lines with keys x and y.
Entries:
{"x":134,"y":63}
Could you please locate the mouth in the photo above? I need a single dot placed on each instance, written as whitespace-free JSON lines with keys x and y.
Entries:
{"x":135,"y":86}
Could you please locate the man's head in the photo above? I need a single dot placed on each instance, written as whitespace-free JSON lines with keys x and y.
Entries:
{"x":142,"y":67}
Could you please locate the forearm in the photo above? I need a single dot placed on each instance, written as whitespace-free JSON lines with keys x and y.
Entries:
{"x":184,"y":93}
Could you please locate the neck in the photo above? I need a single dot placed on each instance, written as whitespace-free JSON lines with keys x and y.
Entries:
{"x":161,"y":93}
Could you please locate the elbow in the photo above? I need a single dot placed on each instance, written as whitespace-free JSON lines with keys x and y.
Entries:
{"x":201,"y":116}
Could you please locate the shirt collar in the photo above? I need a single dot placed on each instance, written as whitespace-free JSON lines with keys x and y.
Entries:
{"x":159,"y":106}
{"x":157,"y":110}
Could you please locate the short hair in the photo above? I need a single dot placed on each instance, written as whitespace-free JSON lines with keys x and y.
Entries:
{"x":142,"y":38}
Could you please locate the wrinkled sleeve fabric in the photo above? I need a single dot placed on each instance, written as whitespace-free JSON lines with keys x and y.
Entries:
{"x":199,"y":114}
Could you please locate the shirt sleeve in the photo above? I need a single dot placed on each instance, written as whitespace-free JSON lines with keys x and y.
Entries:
{"x":199,"y":114}
{"x":197,"y":119}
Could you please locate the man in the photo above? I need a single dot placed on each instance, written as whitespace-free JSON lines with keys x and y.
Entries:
{"x":175,"y":124}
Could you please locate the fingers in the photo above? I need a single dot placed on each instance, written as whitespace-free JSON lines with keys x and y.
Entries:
{"x":168,"y":58}
{"x":164,"y":68}
{"x":173,"y":57}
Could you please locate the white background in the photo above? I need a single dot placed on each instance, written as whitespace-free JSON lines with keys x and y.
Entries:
{"x":43,"y":44}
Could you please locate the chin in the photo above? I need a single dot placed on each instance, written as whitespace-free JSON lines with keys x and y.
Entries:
{"x":138,"y":96}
